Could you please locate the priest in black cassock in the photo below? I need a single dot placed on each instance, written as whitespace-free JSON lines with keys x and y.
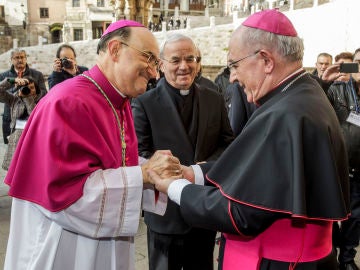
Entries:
{"x":278,"y":188}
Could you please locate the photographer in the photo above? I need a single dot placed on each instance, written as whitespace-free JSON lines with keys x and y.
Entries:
{"x":19,"y":68}
{"x":21,"y":104}
{"x":344,"y":97}
{"x":65,"y":66}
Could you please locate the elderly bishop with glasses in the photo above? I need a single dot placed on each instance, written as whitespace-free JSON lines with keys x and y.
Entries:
{"x":278,"y":188}
{"x":76,"y":178}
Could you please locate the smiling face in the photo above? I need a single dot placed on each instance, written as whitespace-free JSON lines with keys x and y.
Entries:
{"x":179,"y":63}
{"x":132,"y":68}
{"x":246,"y":67}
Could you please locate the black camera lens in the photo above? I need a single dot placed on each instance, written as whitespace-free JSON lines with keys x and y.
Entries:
{"x":25,"y":90}
{"x":66,"y":63}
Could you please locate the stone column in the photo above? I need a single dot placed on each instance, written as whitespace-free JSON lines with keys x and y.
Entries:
{"x":212,"y":21}
{"x":163,"y":27}
{"x":246,"y":6}
{"x":271,"y":4}
{"x":184,"y":5}
{"x":15,"y":43}
{"x":207,"y":12}
{"x":235,"y":16}
{"x":40,"y":40}
{"x":188,"y":24}
{"x":316,"y":3}
{"x":291,"y":5}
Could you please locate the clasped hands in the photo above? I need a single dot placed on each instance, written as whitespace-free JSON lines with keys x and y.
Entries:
{"x":163,"y":168}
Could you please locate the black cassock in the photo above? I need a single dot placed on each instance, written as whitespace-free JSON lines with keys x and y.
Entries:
{"x":288,"y":163}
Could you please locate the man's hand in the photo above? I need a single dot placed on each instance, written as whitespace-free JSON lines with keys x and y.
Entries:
{"x":164,"y":164}
{"x":188,"y":173}
{"x":332,"y":73}
{"x":161,"y":184}
{"x":57,"y":65}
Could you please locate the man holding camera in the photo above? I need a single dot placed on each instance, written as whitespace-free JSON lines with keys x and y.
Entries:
{"x":21,"y":104}
{"x":344,"y":97}
{"x":65,"y":66}
{"x":19,"y":68}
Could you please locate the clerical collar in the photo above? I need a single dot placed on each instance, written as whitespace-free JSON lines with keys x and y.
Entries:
{"x":176,"y":90}
{"x":184,"y":92}
{"x":282,"y":86}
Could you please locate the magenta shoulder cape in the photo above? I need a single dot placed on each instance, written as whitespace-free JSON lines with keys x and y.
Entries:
{"x":71,"y":133}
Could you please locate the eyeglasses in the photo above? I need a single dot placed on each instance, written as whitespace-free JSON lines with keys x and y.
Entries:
{"x":188,"y":59}
{"x":19,"y":57}
{"x":232,"y":66}
{"x":152,"y":61}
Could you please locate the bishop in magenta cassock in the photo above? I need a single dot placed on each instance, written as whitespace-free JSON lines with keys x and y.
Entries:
{"x":75,"y":178}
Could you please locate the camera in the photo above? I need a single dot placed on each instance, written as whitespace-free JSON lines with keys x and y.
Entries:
{"x":66,"y":63}
{"x":25,"y":90}
{"x":349,"y":67}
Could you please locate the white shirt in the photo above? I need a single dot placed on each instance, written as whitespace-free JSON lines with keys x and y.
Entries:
{"x":94,"y":233}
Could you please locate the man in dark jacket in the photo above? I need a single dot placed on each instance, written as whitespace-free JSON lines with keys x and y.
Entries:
{"x":19,"y":68}
{"x":344,"y":97}
{"x":65,"y":66}
{"x":191,"y":121}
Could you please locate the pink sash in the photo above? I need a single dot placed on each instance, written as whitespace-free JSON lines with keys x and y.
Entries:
{"x":287,"y":240}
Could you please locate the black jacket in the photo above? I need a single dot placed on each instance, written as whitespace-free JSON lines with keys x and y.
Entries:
{"x":159,"y":126}
{"x":342,"y":99}
{"x":11,"y":73}
{"x":58,"y":77}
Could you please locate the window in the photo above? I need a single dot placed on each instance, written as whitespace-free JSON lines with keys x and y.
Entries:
{"x":100,"y":3}
{"x":44,"y":13}
{"x":76,"y":3}
{"x":78,"y":34}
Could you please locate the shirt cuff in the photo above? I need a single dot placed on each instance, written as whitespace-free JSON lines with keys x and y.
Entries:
{"x":199,"y":176}
{"x":175,"y":189}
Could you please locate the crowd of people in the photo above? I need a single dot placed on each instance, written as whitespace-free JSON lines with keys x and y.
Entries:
{"x":171,"y":24}
{"x":267,"y":154}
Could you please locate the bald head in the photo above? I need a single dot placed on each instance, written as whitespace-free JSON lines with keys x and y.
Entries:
{"x":128,"y":58}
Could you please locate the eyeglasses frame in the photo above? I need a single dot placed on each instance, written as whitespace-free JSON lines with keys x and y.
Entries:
{"x":230,"y":66}
{"x":149,"y":55}
{"x":197,"y":59}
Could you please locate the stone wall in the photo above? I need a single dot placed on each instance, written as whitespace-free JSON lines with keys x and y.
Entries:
{"x":213,"y":40}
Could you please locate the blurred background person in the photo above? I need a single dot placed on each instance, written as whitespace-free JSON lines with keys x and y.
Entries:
{"x":19,"y":68}
{"x":323,"y":61}
{"x":345,"y":98}
{"x":200,"y":79}
{"x":21,"y":104}
{"x":65,"y":65}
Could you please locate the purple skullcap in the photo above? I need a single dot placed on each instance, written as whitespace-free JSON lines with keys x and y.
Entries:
{"x":121,"y":24}
{"x":273,"y":21}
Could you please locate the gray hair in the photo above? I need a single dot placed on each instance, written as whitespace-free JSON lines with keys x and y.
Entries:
{"x":122,"y":33}
{"x":174,"y":38}
{"x":17,"y":50}
{"x":290,"y":48}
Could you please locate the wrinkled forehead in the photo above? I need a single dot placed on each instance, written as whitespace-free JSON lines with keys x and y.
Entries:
{"x":236,"y":46}
{"x":15,"y":54}
{"x":144,"y":40}
{"x":324,"y":59}
{"x":178,"y":48}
